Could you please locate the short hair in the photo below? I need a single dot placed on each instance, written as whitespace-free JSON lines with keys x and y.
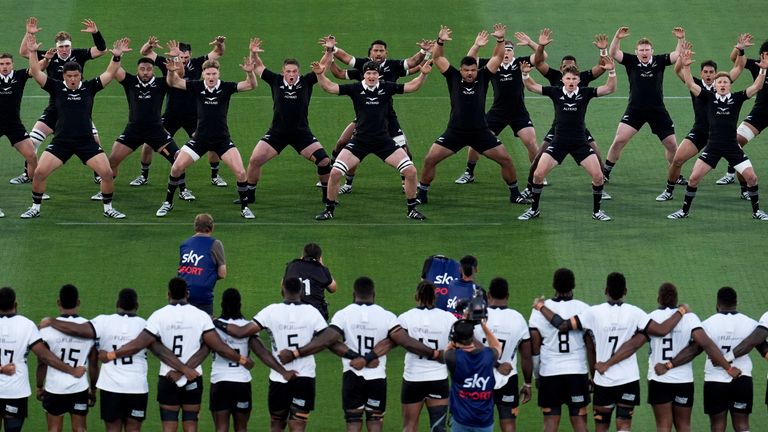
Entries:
{"x":177,"y":288}
{"x":463,"y":331}
{"x":723,"y":74}
{"x":563,"y":281}
{"x":668,"y":295}
{"x":425,"y":293}
{"x":72,"y":66}
{"x":62,"y":36}
{"x":644,"y":41}
{"x":710,"y":63}
{"x":313,"y":250}
{"x":468,"y":61}
{"x":6,"y":56}
{"x":364,"y":287}
{"x":145,"y":60}
{"x":7,"y":298}
{"x":290,"y":61}
{"x":204,"y":223}
{"x":292,"y":285}
{"x":377,"y":42}
{"x":68,"y":296}
{"x":468,"y":265}
{"x":210,"y":63}
{"x":726,"y":296}
{"x":183,"y":46}
{"x":571,"y":69}
{"x":371,"y":66}
{"x":568,"y":58}
{"x":499,"y":288}
{"x":616,"y":285}
{"x":231,"y":304}
{"x":127,"y":299}
{"x":764,"y":47}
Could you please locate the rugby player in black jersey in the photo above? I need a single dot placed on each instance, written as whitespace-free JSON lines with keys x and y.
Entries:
{"x":467,"y":125}
{"x":645,"y":72}
{"x":723,"y":109}
{"x":73,"y":99}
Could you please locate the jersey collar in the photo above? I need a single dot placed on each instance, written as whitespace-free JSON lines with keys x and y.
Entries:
{"x":8,"y":78}
{"x":146,"y":84}
{"x":292,"y":302}
{"x":212,"y":89}
{"x":290,"y":87}
{"x":9,"y":315}
{"x":69,"y":316}
{"x":722,"y":98}
{"x":365,"y":87}
{"x":64,"y":59}
{"x":575,"y":92}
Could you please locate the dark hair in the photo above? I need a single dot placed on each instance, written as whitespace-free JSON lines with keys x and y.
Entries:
{"x":463,"y":331}
{"x":183,"y":46}
{"x":706,"y":63}
{"x":145,"y":60}
{"x":570,"y":69}
{"x":668,"y":295}
{"x":6,"y":56}
{"x":764,"y":47}
{"x":563,"y":281}
{"x":376,"y":42}
{"x":177,"y":287}
{"x":371,"y":66}
{"x":231,"y":304}
{"x":72,"y":66}
{"x":313,"y":250}
{"x":127,"y":299}
{"x":291,"y":61}
{"x":364,"y":287}
{"x":726,"y":296}
{"x":616,"y":285}
{"x":568,"y":57}
{"x":468,"y":61}
{"x":68,"y":296}
{"x":468,"y":265}
{"x":292,"y":285}
{"x":425,"y":293}
{"x":499,"y":288}
{"x":7,"y":298}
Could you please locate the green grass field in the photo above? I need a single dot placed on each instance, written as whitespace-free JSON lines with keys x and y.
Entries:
{"x":72,"y":243}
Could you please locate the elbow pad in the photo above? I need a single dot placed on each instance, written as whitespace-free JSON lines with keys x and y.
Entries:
{"x":556,"y":321}
{"x":98,"y":40}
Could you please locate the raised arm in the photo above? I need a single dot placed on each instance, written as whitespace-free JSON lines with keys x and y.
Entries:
{"x":525,"y":40}
{"x":173,"y":65}
{"x":601,"y":42}
{"x":248,"y":66}
{"x":120,"y":46}
{"x":32,"y":29}
{"x":148,"y":49}
{"x":530,"y":84}
{"x":615,"y":49}
{"x":609,"y":87}
{"x":737,"y":55}
{"x":438,"y":53}
{"x":327,"y":85}
{"x":545,"y":37}
{"x":99,"y":44}
{"x":687,"y":46}
{"x":679,"y":33}
{"x":760,"y":80}
{"x":499,"y":31}
{"x":258,"y":64}
{"x":418,"y":57}
{"x":481,"y":40}
{"x":34,"y":64}
{"x":416,"y":83}
{"x":491,"y":339}
{"x":686,"y":72}
{"x":625,"y":351}
{"x":218,"y":48}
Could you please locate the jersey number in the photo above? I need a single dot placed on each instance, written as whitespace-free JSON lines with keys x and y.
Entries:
{"x":433,"y":342}
{"x":305,"y":282}
{"x":291,"y":342}
{"x":178,"y":348}
{"x":71,"y":357}
{"x":563,"y":345}
{"x":8,"y":353}
{"x":364,"y":343}
{"x":123,"y":360}
{"x":615,"y":341}
{"x":235,"y":364}
{"x":666,"y":348}
{"x":501,"y":341}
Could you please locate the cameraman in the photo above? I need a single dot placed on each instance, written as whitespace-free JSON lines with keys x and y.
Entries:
{"x":471,"y":365}
{"x":461,"y":290}
{"x":314,"y":276}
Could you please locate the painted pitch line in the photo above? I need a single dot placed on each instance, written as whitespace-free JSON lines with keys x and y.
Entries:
{"x":452,"y":224}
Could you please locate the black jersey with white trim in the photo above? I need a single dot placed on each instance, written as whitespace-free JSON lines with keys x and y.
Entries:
{"x":212,"y":108}
{"x":507,"y":82}
{"x":74,"y":107}
{"x":761,"y":101}
{"x":55,"y":68}
{"x":467,"y":99}
{"x":290,"y":102}
{"x":570,"y":111}
{"x":646,"y":80}
{"x":389,"y":69}
{"x":371,"y":107}
{"x":314,"y":276}
{"x":555,"y":77}
{"x":700,"y":118}
{"x":11,"y":92}
{"x":145,"y":99}
{"x":180,"y":103}
{"x":723,"y":115}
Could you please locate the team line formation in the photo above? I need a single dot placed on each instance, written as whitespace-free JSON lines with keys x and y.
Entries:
{"x":198,"y":102}
{"x":577,"y":354}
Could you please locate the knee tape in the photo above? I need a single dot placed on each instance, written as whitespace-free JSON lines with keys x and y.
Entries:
{"x":624,"y":413}
{"x":37,"y":137}
{"x":375,"y":416}
{"x":740,"y":168}
{"x":189,"y":416}
{"x":577,"y":412}
{"x":554,"y":411}
{"x":602,"y":417}
{"x":341,"y":166}
{"x":745,"y":132}
{"x":405,"y":163}
{"x":507,"y":412}
{"x":353,"y":416}
{"x":437,"y":417}
{"x":169,"y":151}
{"x":168,"y":415}
{"x":300,"y":416}
{"x":319,"y":155}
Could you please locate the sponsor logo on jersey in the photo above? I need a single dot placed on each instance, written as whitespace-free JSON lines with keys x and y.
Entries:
{"x":504,"y":77}
{"x":74,"y":97}
{"x":468,"y":90}
{"x":145,"y":94}
{"x":723,"y":111}
{"x":371,"y":100}
{"x":290,"y":95}
{"x":211,"y":100}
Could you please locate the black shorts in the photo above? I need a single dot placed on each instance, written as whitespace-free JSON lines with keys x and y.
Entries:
{"x":299,"y":139}
{"x":570,"y":389}
{"x":735,"y":396}
{"x":551,"y":135}
{"x":678,"y":394}
{"x":509,"y":395}
{"x":15,"y":132}
{"x":231,"y":396}
{"x":758,"y":118}
{"x":297,"y":395}
{"x":60,"y":404}
{"x":733,"y":153}
{"x":359,"y":393}
{"x":417,"y":391}
{"x":50,"y":116}
{"x":579,"y":151}
{"x":168,"y":393}
{"x":626,"y":394}
{"x":497,"y":121}
{"x":200,"y":148}
{"x":481,"y":140}
{"x":382,"y":147}
{"x":16,"y":408}
{"x":658,"y":118}
{"x":155,"y":136}
{"x":173,"y":123}
{"x":699,"y":137}
{"x":122,"y":406}
{"x":84,"y":149}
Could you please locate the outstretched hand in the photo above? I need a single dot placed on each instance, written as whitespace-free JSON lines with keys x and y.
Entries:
{"x":687,"y":57}
{"x":248,"y":64}
{"x":121,"y":46}
{"x":255,"y":46}
{"x":763,"y":61}
{"x":173,"y":49}
{"x":679,"y":32}
{"x":545,"y":37}
{"x":317,"y":68}
{"x":32,"y":43}
{"x":606,"y":63}
{"x":32,"y":27}
{"x":218,"y":41}
{"x":744,"y":41}
{"x":327,"y":42}
{"x":425,"y":44}
{"x":444,"y":34}
{"x":622,"y":32}
{"x":499,"y":31}
{"x":90,"y":26}
{"x":601,"y":41}
{"x":481,"y":39}
{"x":153,"y":42}
{"x":426,"y":67}
{"x":522,"y":39}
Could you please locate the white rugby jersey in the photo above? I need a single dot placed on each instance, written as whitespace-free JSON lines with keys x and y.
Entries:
{"x":223,"y":369}
{"x":291,"y":326}
{"x":728,"y":329}
{"x":432,"y":328}
{"x":612,"y":325}
{"x":363,"y":326}
{"x":125,"y":374}
{"x":562,"y":353}
{"x":180,"y":328}
{"x":17,"y":335}
{"x":665,"y":348}
{"x":71,"y":350}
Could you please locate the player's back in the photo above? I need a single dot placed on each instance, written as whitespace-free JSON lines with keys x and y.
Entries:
{"x":432,"y":328}
{"x":71,"y":350}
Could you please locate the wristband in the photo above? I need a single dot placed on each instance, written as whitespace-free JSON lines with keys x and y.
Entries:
{"x":435,"y":354}
{"x":538,"y":305}
{"x":681,"y":311}
{"x":335,"y":50}
{"x":762,"y":72}
{"x":116,"y":59}
{"x":296,"y":353}
{"x":243,"y":360}
{"x":741,"y":52}
{"x":603,"y":52}
{"x":423,"y":51}
{"x":669,"y":365}
{"x":729,"y":356}
{"x":111,"y":355}
{"x":329,"y":50}
{"x":99,"y":42}
{"x":440,"y":42}
{"x":611,"y":73}
{"x":499,"y":40}
{"x":371,"y":356}
{"x":730,"y":368}
{"x":351,"y":354}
